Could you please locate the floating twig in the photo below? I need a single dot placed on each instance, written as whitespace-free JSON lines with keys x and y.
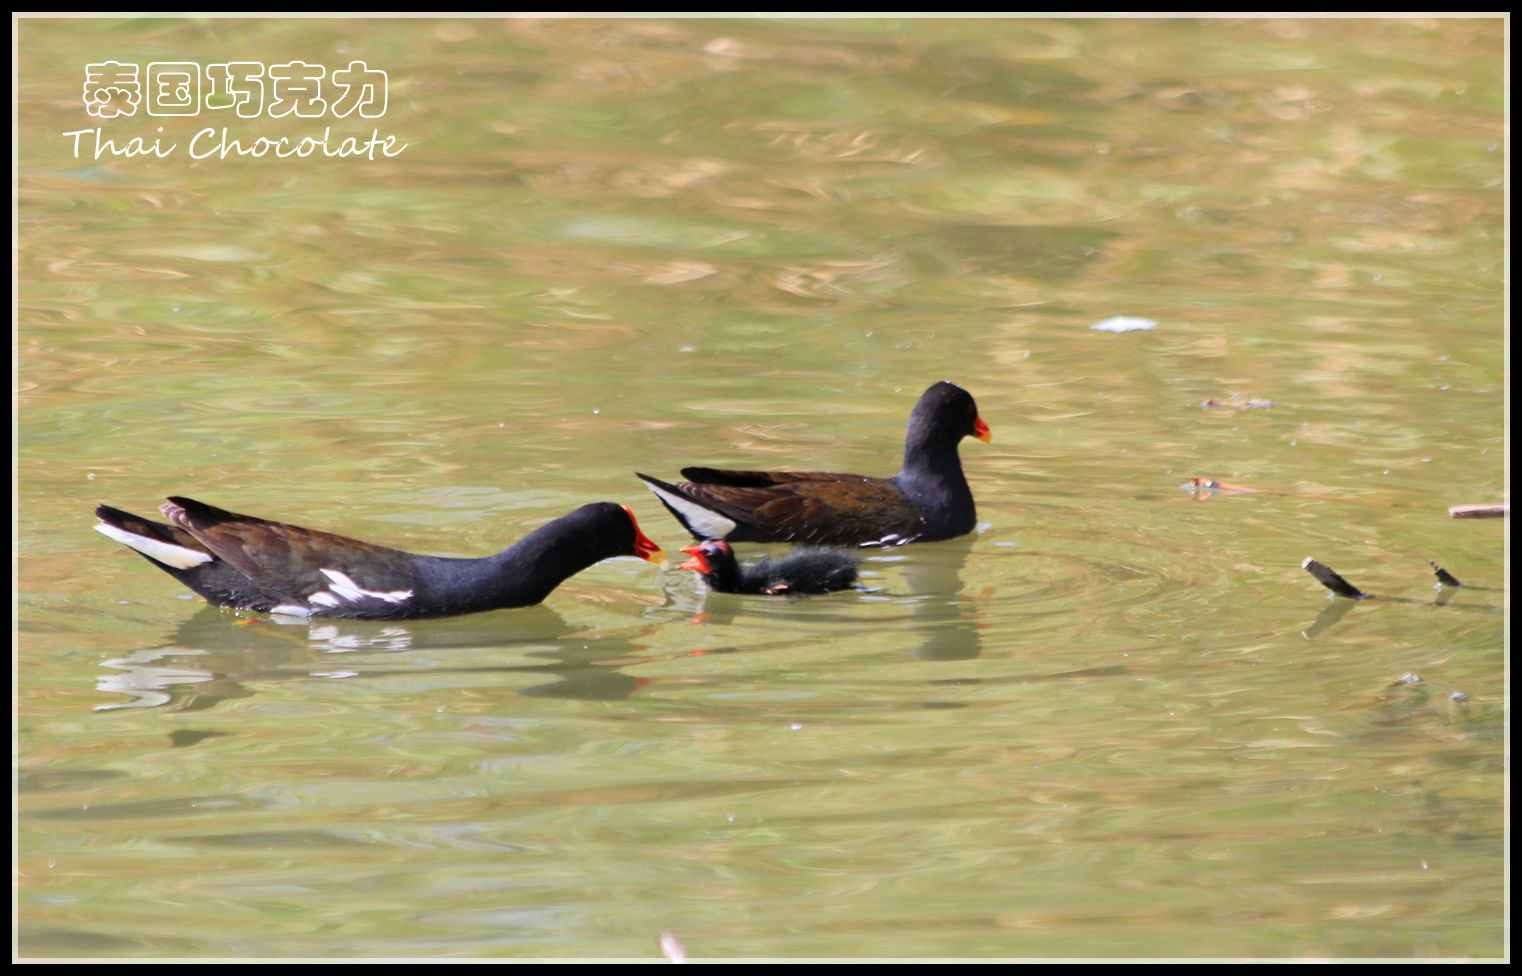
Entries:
{"x":1337,"y":609}
{"x":1202,"y":486}
{"x":1328,"y":578}
{"x":1210,"y":485}
{"x":1443,"y":576}
{"x":1477,"y":511}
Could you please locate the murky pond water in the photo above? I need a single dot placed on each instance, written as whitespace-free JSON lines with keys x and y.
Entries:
{"x":1116,"y":720}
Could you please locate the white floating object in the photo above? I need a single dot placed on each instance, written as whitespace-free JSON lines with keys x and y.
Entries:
{"x":1124,"y":323}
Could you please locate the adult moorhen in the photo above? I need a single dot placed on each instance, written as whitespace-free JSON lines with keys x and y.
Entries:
{"x":802,"y":571}
{"x":253,"y":564}
{"x":927,"y":500}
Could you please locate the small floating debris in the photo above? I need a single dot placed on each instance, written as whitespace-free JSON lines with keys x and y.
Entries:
{"x":1337,"y":609}
{"x":671,"y":948}
{"x":1246,"y":403}
{"x":1443,"y":576}
{"x":1328,"y":578}
{"x":1477,"y":511}
{"x":1209,"y":486}
{"x":1124,"y":323}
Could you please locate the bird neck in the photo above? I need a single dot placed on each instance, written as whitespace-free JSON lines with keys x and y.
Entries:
{"x":932,"y":479}
{"x":931,"y":464}
{"x":527,"y":571}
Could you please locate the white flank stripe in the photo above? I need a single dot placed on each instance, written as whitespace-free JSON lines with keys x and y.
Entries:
{"x":347,"y":589}
{"x":291,"y":610}
{"x":704,"y":521}
{"x":165,"y":552}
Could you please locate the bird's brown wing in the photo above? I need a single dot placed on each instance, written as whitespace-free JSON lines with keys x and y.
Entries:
{"x":288,"y":559}
{"x":825,"y":508}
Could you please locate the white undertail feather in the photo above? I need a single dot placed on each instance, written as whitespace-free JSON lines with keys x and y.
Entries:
{"x":702,"y":521}
{"x":167,"y":553}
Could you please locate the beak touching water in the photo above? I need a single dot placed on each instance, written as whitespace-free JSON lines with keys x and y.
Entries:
{"x":643,"y":547}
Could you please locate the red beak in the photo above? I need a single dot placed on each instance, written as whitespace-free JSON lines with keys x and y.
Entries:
{"x":643,"y":547}
{"x":981,"y":432}
{"x":697,"y":562}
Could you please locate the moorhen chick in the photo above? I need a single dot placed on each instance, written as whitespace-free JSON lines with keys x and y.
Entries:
{"x":254,"y":564}
{"x":927,"y":500}
{"x":802,"y":571}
